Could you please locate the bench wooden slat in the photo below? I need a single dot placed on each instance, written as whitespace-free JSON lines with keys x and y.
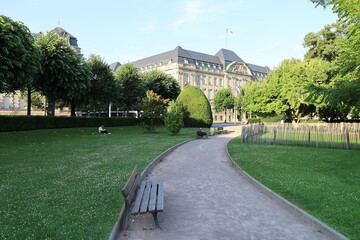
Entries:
{"x":135,"y":210}
{"x":153,"y":196}
{"x":145,"y":200}
{"x":160,"y":197}
{"x":130,"y":196}
{"x":130,"y":182}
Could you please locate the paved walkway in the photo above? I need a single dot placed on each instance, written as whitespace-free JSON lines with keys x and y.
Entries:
{"x":206,"y":198}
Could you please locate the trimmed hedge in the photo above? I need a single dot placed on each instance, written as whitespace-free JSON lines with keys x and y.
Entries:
{"x":254,"y":120}
{"x":23,"y":123}
{"x":197,"y":108}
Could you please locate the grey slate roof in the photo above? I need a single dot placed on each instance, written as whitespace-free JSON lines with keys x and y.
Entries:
{"x":223,"y":56}
{"x":257,"y":68}
{"x":114,"y":66}
{"x":228,"y":55}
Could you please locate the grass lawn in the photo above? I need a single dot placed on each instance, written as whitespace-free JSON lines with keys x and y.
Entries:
{"x":324,"y":182}
{"x":65,"y":183}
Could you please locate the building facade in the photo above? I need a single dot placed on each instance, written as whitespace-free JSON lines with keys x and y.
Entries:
{"x":208,"y":72}
{"x":13,"y":103}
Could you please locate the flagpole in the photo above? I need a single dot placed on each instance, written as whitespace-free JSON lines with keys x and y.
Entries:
{"x":226,"y":38}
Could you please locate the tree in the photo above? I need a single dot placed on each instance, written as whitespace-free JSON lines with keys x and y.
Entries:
{"x":130,"y":87}
{"x":343,"y":92}
{"x":103,"y":85}
{"x":153,"y":109}
{"x":64,"y":75}
{"x":161,"y":83}
{"x":18,"y":56}
{"x":197,"y":108}
{"x":174,"y":119}
{"x":326,"y":43}
{"x":224,"y":100}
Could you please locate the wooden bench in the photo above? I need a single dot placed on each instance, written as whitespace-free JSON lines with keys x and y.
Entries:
{"x":200,"y":134}
{"x":148,"y":198}
{"x":221,"y":130}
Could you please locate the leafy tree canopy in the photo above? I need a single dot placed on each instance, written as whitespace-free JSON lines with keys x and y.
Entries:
{"x":103,"y":86}
{"x":18,"y":57}
{"x":64,"y":75}
{"x":161,"y":83}
{"x":130,"y":86}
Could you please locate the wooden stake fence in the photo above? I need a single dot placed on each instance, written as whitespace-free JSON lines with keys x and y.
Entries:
{"x":333,"y":135}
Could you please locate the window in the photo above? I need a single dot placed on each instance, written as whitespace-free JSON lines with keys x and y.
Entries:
{"x":209,"y":81}
{"x":215,"y":82}
{"x":221,"y":82}
{"x":203,"y":80}
{"x":186,"y":79}
{"x":197,"y":81}
{"x":186,"y":61}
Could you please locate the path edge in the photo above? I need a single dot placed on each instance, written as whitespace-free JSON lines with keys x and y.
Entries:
{"x":328,"y":231}
{"x":115,"y":233}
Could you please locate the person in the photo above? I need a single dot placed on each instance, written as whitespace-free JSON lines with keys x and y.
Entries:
{"x":103,"y":130}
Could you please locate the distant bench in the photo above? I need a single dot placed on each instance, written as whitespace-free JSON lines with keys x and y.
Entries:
{"x":200,"y":134}
{"x":221,"y":130}
{"x":149,"y":198}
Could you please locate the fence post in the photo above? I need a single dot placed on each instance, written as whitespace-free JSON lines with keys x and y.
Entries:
{"x":274,"y":135}
{"x":347,"y":139}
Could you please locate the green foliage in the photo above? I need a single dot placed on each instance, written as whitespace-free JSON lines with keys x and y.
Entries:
{"x":103,"y":86}
{"x":326,"y":43}
{"x":18,"y":57}
{"x":23,"y":123}
{"x":153,"y":109}
{"x":197,"y":108}
{"x":64,"y":76}
{"x":130,"y":87}
{"x":162,"y":84}
{"x":174,"y":119}
{"x":223,"y":100}
{"x":254,"y":120}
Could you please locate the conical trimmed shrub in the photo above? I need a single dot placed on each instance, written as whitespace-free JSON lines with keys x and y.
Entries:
{"x":197,"y":108}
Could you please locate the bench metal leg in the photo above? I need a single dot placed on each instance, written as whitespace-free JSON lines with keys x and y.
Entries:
{"x":156,"y":220}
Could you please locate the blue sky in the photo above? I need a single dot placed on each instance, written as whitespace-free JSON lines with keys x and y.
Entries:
{"x":265,"y":32}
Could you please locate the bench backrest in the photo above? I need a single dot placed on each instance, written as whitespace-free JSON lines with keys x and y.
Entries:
{"x":131,"y":186}
{"x":220,"y":128}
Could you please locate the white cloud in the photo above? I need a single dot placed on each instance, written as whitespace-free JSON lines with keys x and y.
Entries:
{"x":191,"y":13}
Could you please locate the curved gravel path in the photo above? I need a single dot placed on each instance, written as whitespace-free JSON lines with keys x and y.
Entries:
{"x":206,"y":198}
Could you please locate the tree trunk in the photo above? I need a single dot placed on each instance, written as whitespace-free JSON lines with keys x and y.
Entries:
{"x":51,"y":105}
{"x":72,"y":107}
{"x":29,"y":101}
{"x":225,"y":115}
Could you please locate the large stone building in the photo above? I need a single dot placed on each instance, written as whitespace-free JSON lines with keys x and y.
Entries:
{"x":13,"y":104}
{"x":208,"y":72}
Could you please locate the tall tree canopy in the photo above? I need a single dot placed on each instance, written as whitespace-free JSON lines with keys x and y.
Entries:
{"x":18,"y":56}
{"x":103,"y":87}
{"x":162,"y":84}
{"x":130,"y":87}
{"x":326,"y":43}
{"x":223,"y":100}
{"x":64,"y":75}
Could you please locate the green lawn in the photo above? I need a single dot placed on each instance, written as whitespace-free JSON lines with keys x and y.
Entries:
{"x":324,"y":182}
{"x":65,"y":183}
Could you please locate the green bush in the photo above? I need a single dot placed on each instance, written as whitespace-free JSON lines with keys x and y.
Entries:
{"x":197,"y":108}
{"x":274,"y":119}
{"x":254,"y":120}
{"x":174,"y":119}
{"x":23,"y":123}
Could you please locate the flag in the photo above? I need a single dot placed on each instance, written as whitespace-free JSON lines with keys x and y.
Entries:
{"x":229,"y":31}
